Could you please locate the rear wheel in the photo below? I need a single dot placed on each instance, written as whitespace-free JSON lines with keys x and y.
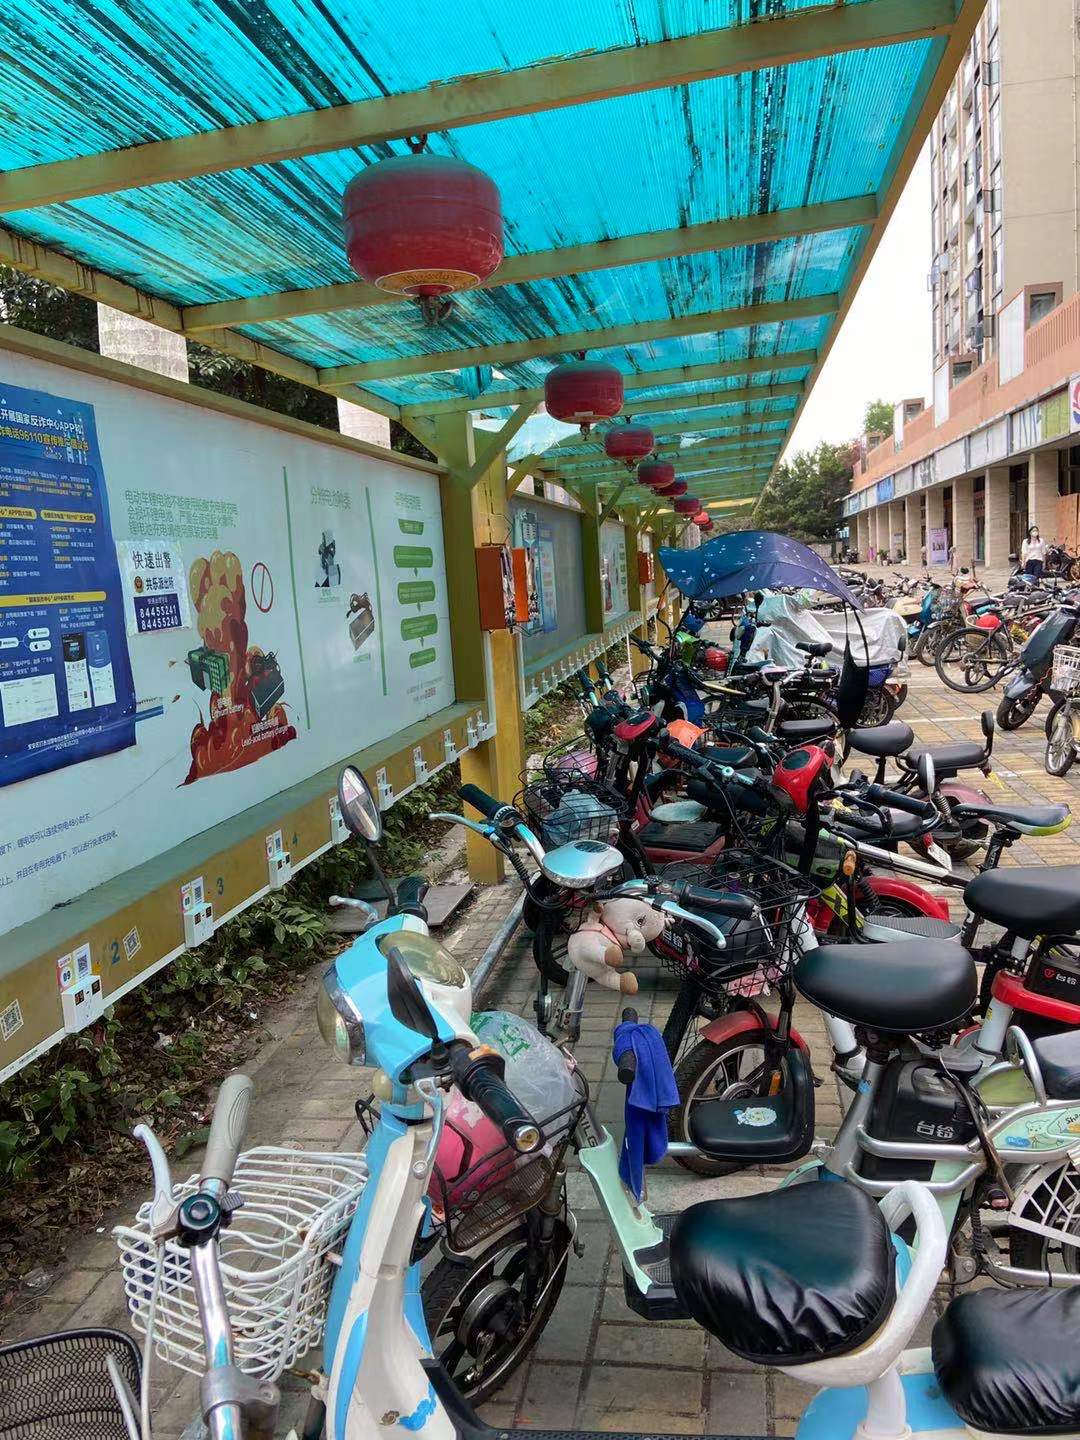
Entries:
{"x":878,"y":708}
{"x":1060,"y":740}
{"x":925,"y":646}
{"x":1056,"y":1204}
{"x":728,"y":1071}
{"x":971,"y":660}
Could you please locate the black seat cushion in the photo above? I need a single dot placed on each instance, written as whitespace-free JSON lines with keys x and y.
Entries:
{"x":1035,"y":817}
{"x":737,"y":756}
{"x":964,"y":755}
{"x":901,"y":826}
{"x":803,"y":731}
{"x":1009,"y":1360}
{"x":816,"y":648}
{"x":902,"y":987}
{"x":882,"y":740}
{"x":1059,"y":1061}
{"x":694,"y":837}
{"x":1039,"y":901}
{"x":788,"y":1277}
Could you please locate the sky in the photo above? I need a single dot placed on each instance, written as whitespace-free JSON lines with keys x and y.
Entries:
{"x":884,"y":350}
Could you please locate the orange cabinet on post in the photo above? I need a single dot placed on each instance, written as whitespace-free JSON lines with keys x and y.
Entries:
{"x":645,"y":567}
{"x":502,"y":582}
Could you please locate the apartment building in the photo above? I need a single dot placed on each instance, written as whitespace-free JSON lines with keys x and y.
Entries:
{"x":995,"y":447}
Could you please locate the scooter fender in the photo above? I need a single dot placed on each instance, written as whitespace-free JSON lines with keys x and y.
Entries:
{"x":1019,"y":685}
{"x":741,"y":1022}
{"x":892,"y":887}
{"x":963,"y":794}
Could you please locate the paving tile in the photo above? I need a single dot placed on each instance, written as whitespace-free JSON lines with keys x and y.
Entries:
{"x":738,"y":1404}
{"x":664,"y":1345}
{"x":628,"y":1391}
{"x":549,"y":1401}
{"x":568,"y":1333}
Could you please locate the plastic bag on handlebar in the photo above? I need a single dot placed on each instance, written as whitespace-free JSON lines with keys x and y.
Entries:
{"x":536,"y":1070}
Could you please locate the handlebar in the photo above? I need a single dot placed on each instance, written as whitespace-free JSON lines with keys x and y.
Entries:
{"x":892,"y":800}
{"x":226,"y":1132}
{"x":716,"y":902}
{"x":478,"y":1074}
{"x":410,"y":893}
{"x":628,"y":1060}
{"x":480,"y":800}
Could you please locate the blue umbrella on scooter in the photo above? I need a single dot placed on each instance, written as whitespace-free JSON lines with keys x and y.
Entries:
{"x":749,"y":560}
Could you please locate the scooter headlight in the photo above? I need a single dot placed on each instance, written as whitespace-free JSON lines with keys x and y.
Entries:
{"x":340,"y":1023}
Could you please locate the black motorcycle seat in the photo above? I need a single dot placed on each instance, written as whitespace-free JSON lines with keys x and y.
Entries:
{"x":902,"y":987}
{"x":695,"y":837}
{"x":805,"y":732}
{"x":948,"y":759}
{"x":1042,"y":900}
{"x":739,"y":757}
{"x":1018,"y":817}
{"x":1059,"y":1061}
{"x":1008,"y":1361}
{"x":882,"y":740}
{"x":788,"y":1277}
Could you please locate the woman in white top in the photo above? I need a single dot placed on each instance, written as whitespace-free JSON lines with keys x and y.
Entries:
{"x":1033,"y":553}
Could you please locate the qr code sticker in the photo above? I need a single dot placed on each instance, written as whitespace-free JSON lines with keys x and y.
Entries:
{"x":11,"y":1020}
{"x":132,"y":943}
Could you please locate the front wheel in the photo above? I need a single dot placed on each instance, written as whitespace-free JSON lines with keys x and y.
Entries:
{"x":728,"y":1071}
{"x":971,"y":660}
{"x":484,"y":1315}
{"x":1011,"y":714}
{"x":1060,"y":740}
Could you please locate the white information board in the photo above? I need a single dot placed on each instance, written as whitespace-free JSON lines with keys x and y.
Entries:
{"x":311,"y":586}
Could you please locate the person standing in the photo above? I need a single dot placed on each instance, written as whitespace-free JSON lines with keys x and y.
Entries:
{"x":1033,"y":553}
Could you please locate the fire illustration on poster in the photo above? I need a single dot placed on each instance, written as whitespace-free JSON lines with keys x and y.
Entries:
{"x":244,"y":683}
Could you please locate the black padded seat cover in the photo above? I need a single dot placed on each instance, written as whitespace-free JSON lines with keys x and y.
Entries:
{"x":695,"y":837}
{"x":882,"y":740}
{"x":787,"y":1277}
{"x":805,"y":731}
{"x":1038,"y":901}
{"x":902,"y":826}
{"x":739,"y":757}
{"x":1009,"y":1360}
{"x":902,"y":987}
{"x":1059,"y":1061}
{"x":963,"y":755}
{"x":1038,"y":817}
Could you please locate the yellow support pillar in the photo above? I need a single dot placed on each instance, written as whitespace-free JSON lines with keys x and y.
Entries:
{"x":475,"y":513}
{"x":590,"y":559}
{"x":636,"y":592}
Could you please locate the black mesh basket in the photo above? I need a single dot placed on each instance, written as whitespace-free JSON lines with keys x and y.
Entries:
{"x":487,"y":1193}
{"x":757,"y":953}
{"x":58,"y":1387}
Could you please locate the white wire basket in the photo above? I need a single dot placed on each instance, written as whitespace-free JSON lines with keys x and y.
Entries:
{"x":275,"y":1261}
{"x":1066,"y":679}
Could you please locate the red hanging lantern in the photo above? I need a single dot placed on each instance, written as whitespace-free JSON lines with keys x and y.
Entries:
{"x":677,"y":488}
{"x":701,"y":520}
{"x":424,"y":226}
{"x":583,"y":392}
{"x":687,"y":505}
{"x":629,"y":443}
{"x":659,"y":475}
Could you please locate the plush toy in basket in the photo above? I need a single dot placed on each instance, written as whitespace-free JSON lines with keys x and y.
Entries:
{"x":598,"y":947}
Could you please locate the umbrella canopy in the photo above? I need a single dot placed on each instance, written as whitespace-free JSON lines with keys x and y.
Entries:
{"x":750,"y":560}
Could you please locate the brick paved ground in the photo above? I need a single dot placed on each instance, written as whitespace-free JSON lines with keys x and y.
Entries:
{"x":595,"y":1367}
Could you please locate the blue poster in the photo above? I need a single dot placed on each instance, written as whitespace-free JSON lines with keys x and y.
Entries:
{"x":66,"y":692}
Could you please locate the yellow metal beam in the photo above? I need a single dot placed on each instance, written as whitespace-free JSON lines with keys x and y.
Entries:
{"x":476,"y":99}
{"x":45,"y":264}
{"x":642,"y":380}
{"x":525,"y":467}
{"x":512,"y":352}
{"x":494,"y":443}
{"x":705,"y":399}
{"x":567,"y":463}
{"x":641,"y":249}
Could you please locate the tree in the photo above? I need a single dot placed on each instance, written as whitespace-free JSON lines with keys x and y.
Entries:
{"x":47,"y":310}
{"x":802,"y":498}
{"x":878,"y":419}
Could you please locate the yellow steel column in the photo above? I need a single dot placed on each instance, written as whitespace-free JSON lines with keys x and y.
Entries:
{"x":635,"y":591}
{"x":590,"y":558}
{"x":475,"y":513}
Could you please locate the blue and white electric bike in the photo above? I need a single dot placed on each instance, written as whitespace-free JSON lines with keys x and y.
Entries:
{"x":810,"y":1279}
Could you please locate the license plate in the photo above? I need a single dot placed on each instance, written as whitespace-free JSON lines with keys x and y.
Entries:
{"x":937,"y":853}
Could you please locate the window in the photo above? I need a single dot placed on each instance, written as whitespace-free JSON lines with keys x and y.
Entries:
{"x":1040,"y":305}
{"x":961,"y":369}
{"x":995,"y":132}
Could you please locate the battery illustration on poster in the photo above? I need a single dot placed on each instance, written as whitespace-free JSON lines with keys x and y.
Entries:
{"x":66,"y":690}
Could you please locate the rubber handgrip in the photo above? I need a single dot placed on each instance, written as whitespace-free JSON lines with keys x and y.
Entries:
{"x":411,"y":891}
{"x":706,"y":901}
{"x":683,"y":752}
{"x":227,"y":1129}
{"x":910,"y":804}
{"x":486,"y":1089}
{"x":481,"y":800}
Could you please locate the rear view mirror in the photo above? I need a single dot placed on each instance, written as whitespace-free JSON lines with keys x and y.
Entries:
{"x":989,"y":724}
{"x":927,"y":775}
{"x":358,"y":807}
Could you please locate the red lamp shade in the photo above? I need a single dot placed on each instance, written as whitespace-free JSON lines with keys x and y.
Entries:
{"x":423,"y":225}
{"x":581,"y":392}
{"x":658,"y":474}
{"x":687,"y":505}
{"x":678,"y":488}
{"x":629,"y":443}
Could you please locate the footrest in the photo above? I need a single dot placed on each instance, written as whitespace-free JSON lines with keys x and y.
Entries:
{"x":766,"y":1129}
{"x":659,"y":1302}
{"x":901,"y":927}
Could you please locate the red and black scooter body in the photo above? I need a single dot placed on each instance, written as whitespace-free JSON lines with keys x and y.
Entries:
{"x":698,"y":841}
